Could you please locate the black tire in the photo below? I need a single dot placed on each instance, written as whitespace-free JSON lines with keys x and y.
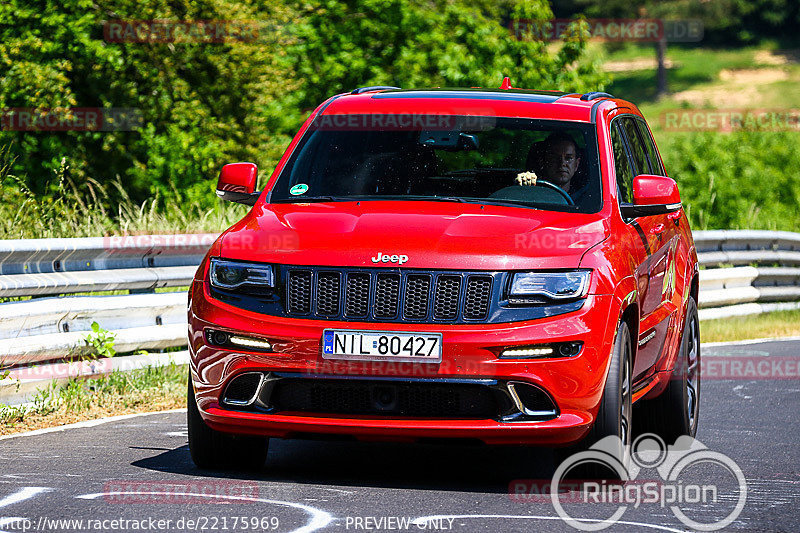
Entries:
{"x":615,"y":414}
{"x":675,"y":411}
{"x":614,"y":417}
{"x":213,"y":450}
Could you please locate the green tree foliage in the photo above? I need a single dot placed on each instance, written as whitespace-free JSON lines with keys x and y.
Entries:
{"x":452,"y":43}
{"x":204,"y":104}
{"x":731,"y":22}
{"x":739,"y":180}
{"x":201,"y":103}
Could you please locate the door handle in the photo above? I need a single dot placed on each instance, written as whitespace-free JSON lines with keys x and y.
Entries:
{"x":675,"y":217}
{"x":658,"y":229}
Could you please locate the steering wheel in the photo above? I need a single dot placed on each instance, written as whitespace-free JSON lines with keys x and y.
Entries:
{"x":562,"y":192}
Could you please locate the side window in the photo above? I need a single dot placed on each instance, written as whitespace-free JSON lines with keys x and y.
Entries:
{"x":650,"y":147}
{"x":636,"y":146}
{"x":622,"y":166}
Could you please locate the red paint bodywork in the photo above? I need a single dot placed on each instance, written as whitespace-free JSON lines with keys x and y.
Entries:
{"x":650,"y":190}
{"x":238,"y":177}
{"x":641,"y":274}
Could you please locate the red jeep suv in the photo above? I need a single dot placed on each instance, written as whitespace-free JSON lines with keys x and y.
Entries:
{"x":502,"y":265}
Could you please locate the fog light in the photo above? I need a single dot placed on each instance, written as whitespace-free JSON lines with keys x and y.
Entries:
{"x":528,"y":351}
{"x":217,"y":337}
{"x":559,"y":349}
{"x":223,"y":338}
{"x":250,"y":342}
{"x":568,"y":349}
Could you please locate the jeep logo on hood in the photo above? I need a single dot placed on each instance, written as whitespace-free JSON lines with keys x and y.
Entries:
{"x":382,"y":258}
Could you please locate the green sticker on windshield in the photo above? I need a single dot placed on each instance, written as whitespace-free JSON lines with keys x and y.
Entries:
{"x":300,"y":188}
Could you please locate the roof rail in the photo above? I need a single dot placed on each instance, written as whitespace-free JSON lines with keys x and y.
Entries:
{"x":372,"y":88}
{"x":588,"y":97}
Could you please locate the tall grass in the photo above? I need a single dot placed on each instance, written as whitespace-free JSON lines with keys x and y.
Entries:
{"x":99,"y":209}
{"x":145,"y":389}
{"x":739,"y":180}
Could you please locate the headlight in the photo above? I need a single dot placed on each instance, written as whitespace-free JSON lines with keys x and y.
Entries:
{"x":552,"y":285}
{"x":234,"y":275}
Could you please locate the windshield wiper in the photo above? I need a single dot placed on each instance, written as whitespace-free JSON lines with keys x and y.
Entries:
{"x":492,"y":201}
{"x":437,"y":198}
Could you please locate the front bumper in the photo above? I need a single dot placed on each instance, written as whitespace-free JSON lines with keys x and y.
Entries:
{"x":574,"y":384}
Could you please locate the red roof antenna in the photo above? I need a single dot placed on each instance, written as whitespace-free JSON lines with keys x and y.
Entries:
{"x":506,"y":83}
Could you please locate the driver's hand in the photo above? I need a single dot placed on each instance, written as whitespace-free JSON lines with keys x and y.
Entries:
{"x":526,"y":178}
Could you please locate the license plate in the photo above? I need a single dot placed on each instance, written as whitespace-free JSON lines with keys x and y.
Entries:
{"x":382,"y":346}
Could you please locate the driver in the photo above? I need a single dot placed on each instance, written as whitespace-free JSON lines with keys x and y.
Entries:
{"x":558,"y":165}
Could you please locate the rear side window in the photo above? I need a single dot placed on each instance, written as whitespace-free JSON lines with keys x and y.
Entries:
{"x":622,"y":165}
{"x":650,"y":147}
{"x":636,"y":146}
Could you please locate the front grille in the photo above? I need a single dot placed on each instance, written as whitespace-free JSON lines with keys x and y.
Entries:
{"x":447,"y":297}
{"x":476,"y":305}
{"x":357,"y":296}
{"x":385,"y":296}
{"x":364,"y":397}
{"x":418,"y":289}
{"x":328,"y":290}
{"x":298,"y":293}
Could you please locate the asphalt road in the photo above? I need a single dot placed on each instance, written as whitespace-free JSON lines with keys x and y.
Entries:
{"x":136,"y":473}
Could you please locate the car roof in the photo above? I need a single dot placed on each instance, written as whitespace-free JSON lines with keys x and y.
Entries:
{"x":511,"y":102}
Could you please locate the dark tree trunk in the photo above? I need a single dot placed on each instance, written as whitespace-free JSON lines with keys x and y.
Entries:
{"x":661,"y":75}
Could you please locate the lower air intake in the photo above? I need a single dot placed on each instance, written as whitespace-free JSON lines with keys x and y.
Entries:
{"x":242,"y":389}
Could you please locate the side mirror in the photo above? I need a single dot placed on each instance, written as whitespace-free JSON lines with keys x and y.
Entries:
{"x":652,"y":195}
{"x":237,"y":183}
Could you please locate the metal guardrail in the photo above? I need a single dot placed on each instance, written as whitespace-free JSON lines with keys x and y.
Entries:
{"x":771,"y":281}
{"x":47,"y":328}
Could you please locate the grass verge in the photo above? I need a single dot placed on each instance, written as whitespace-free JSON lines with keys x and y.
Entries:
{"x":767,"y":325}
{"x":138,"y":391}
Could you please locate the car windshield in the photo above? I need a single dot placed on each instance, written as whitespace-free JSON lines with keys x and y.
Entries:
{"x":542,"y":164}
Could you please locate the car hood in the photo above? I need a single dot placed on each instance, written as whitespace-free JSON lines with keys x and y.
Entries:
{"x":443,"y":235}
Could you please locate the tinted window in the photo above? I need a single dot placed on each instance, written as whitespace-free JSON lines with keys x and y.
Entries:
{"x":622,"y":165}
{"x":636,"y":146}
{"x":445,"y":158}
{"x":650,"y":147}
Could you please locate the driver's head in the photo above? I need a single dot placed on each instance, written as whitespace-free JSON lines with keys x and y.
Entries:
{"x":561,"y":159}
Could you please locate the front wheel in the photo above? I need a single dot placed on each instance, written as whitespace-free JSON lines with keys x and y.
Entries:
{"x":211,"y":449}
{"x":614,"y":415}
{"x":675,"y":411}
